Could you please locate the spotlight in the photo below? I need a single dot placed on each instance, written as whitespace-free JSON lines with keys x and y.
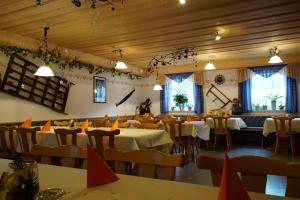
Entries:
{"x":77,"y":3}
{"x":218,"y":37}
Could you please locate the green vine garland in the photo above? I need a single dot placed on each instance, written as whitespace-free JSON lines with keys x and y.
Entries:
{"x":54,"y":57}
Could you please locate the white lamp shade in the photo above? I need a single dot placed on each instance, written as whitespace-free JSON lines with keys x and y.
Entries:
{"x":157,"y":87}
{"x":209,"y":66}
{"x":182,"y":2}
{"x":121,"y":65}
{"x":275,"y":59}
{"x":44,"y":71}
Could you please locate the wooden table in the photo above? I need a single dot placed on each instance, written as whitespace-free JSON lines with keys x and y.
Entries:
{"x":73,"y":181}
{"x":196,"y":128}
{"x":234,"y":123}
{"x":269,"y":126}
{"x":128,"y":139}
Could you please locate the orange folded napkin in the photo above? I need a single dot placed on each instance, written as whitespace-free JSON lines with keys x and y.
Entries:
{"x":98,"y":172}
{"x":231,"y":187}
{"x":189,"y":118}
{"x":105,"y":117}
{"x":115,"y":125}
{"x":84,"y":126}
{"x":225,"y":114}
{"x":26,"y":123}
{"x":47,"y":126}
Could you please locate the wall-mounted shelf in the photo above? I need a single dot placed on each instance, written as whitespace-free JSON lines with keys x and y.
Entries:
{"x":19,"y":81}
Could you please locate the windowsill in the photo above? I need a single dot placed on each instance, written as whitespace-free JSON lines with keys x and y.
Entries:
{"x":178,"y":112}
{"x":266,"y":112}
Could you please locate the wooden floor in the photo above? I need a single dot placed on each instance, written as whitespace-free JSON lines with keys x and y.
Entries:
{"x":275,"y":184}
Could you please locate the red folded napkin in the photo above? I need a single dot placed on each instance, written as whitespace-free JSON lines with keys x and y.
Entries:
{"x":231,"y":187}
{"x":98,"y":172}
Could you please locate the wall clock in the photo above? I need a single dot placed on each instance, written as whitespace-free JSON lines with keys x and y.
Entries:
{"x":219,"y":79}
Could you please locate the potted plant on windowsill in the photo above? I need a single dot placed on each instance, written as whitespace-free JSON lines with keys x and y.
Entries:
{"x":256,"y":105}
{"x":180,"y":100}
{"x":264,"y":106}
{"x":190,"y":107}
{"x":273,"y":98}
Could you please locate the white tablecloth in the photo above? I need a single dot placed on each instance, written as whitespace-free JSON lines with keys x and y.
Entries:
{"x":269,"y":126}
{"x":234,"y":123}
{"x":196,"y":128}
{"x":128,"y":139}
{"x":73,"y":181}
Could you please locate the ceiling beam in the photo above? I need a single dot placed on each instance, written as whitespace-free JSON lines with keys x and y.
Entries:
{"x":228,"y":64}
{"x":12,"y":39}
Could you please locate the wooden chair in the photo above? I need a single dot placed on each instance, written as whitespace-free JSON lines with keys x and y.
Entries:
{"x":97,"y":136}
{"x":99,"y":123}
{"x":7,"y":138}
{"x":79,"y":124}
{"x":146,"y":163}
{"x":148,"y":126}
{"x":27,"y":138}
{"x":61,"y":123}
{"x":69,"y":155}
{"x":62,"y":136}
{"x":221,"y":128}
{"x":180,"y":144}
{"x":293,"y":180}
{"x":253,"y":169}
{"x":283,"y":127}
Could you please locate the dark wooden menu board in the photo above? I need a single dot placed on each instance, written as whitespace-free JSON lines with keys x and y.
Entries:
{"x":19,"y":81}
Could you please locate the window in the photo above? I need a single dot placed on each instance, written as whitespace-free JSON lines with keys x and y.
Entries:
{"x":268,"y":93}
{"x":185,"y":87}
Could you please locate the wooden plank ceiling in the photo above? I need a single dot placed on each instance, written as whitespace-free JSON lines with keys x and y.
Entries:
{"x":146,"y":28}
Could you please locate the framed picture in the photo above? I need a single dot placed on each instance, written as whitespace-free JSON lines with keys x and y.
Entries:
{"x":99,"y":89}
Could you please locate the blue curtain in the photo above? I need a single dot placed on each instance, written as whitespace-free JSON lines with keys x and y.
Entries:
{"x":199,"y":100}
{"x":291,"y":95}
{"x":267,"y":71}
{"x":179,"y":77}
{"x":164,"y":99}
{"x":245,"y":95}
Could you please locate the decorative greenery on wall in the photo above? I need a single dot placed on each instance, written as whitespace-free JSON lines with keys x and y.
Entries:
{"x":54,"y":57}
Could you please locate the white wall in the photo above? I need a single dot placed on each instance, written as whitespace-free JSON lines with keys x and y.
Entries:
{"x":80,"y":101}
{"x":229,"y":88}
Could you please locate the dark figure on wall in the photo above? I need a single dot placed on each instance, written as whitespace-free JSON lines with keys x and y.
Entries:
{"x":144,"y":107}
{"x":236,"y":107}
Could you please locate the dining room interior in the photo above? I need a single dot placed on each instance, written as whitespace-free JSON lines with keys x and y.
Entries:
{"x":144,"y":99}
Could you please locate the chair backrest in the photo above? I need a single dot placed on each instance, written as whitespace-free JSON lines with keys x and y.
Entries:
{"x":63,"y":133}
{"x":7,"y":139}
{"x":79,"y":124}
{"x":220,"y":125}
{"x":146,"y":163}
{"x":174,"y":128}
{"x":253,"y":169}
{"x":97,"y":136}
{"x":293,"y":180}
{"x":283,"y":125}
{"x":27,"y":138}
{"x":69,"y":155}
{"x":148,"y":126}
{"x":99,"y":123}
{"x":61,"y":123}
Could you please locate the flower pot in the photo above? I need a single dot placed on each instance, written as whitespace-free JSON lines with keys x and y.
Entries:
{"x":190,"y":108}
{"x":172,"y":108}
{"x":273,"y":104}
{"x":181,"y":106}
{"x":264,"y":107}
{"x":257,"y":107}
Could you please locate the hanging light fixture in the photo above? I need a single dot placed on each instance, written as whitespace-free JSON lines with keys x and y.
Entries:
{"x":120,"y":64}
{"x":209,"y":66}
{"x":157,"y":86}
{"x":274,"y":56}
{"x":218,"y":37}
{"x":182,"y":2}
{"x":45,"y":70}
